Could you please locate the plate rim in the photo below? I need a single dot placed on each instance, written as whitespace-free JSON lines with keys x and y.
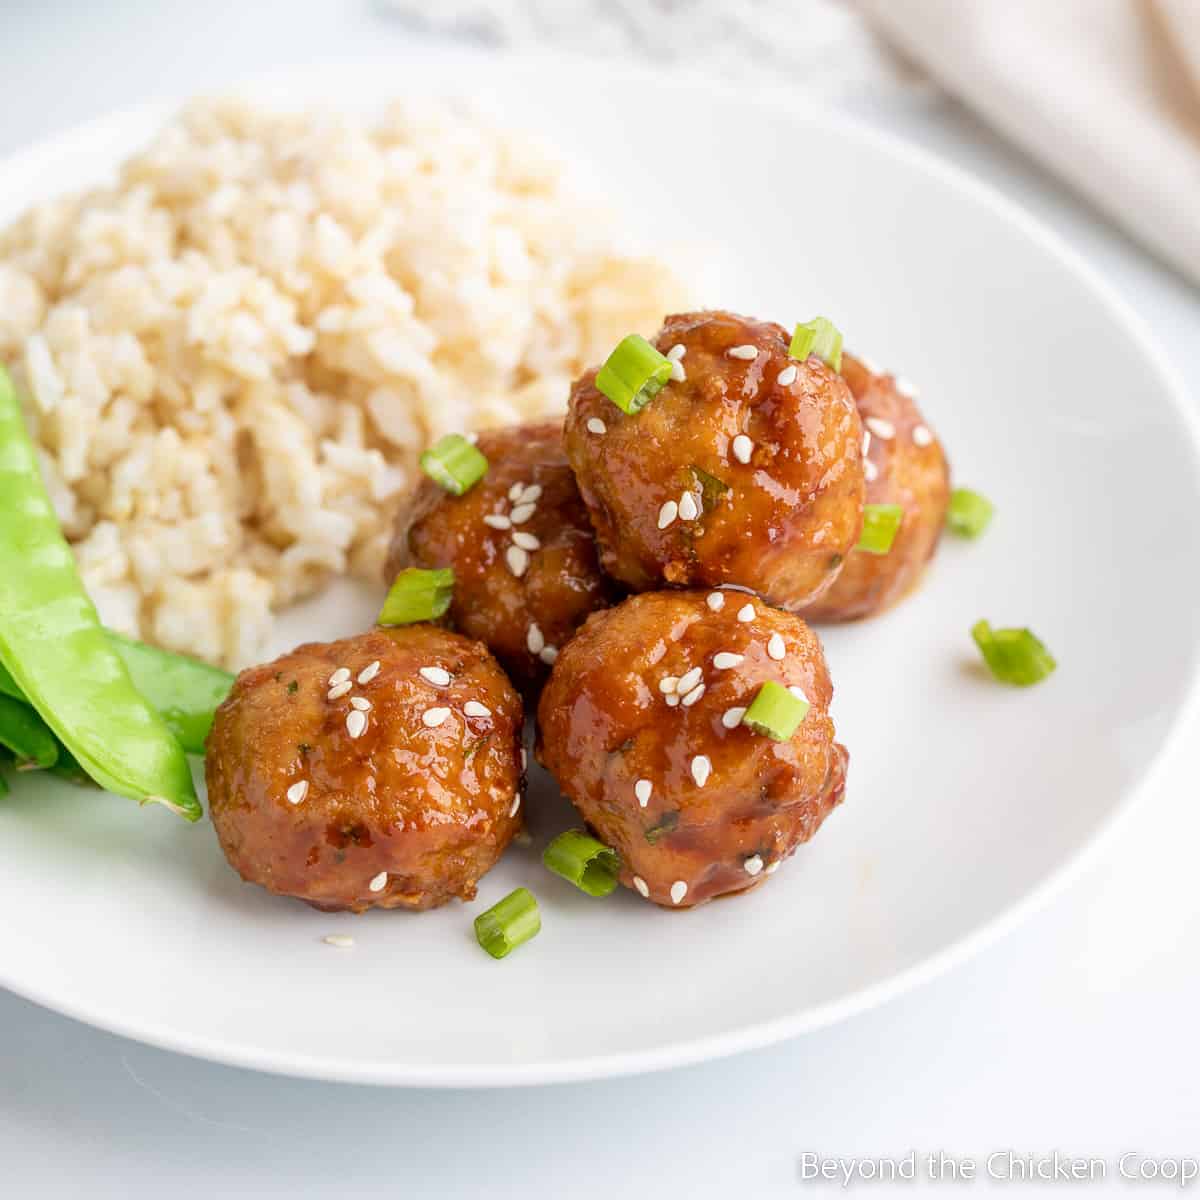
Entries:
{"x":758,"y":1034}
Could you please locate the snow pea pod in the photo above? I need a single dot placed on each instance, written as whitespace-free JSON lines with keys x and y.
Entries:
{"x":53,"y":646}
{"x":8,"y":685}
{"x":26,"y":734}
{"x":185,"y":692}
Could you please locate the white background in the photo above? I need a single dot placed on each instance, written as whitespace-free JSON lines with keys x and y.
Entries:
{"x":1078,"y":1032}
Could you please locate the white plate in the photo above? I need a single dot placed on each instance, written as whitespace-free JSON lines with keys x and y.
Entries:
{"x":967,"y":802}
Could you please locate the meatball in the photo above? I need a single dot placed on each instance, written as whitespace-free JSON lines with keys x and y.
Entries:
{"x":640,"y":725}
{"x":522,"y":549}
{"x":382,"y":771}
{"x":904,"y":464}
{"x":745,"y":468}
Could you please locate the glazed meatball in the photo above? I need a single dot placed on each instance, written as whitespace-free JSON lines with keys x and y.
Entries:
{"x":904,"y":464}
{"x":640,"y":725}
{"x":522,"y":549}
{"x":745,"y":468}
{"x":383,"y":771}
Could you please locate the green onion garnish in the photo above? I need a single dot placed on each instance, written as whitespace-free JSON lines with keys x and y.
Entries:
{"x":775,"y":712}
{"x":881,"y":522}
{"x":969,"y":513}
{"x":590,"y":865}
{"x":418,"y":595}
{"x":633,"y":374}
{"x":821,"y":337}
{"x":453,"y":463}
{"x":1013,"y":655}
{"x":507,"y":924}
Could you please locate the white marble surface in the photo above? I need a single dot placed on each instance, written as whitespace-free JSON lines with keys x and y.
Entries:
{"x":1076,"y":1032}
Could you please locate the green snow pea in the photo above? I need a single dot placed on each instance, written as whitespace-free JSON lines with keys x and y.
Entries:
{"x":185,"y":691}
{"x":26,"y":734}
{"x":8,"y":685}
{"x":53,"y":646}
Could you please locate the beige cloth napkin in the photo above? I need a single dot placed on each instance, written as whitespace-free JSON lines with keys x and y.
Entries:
{"x":1105,"y":92}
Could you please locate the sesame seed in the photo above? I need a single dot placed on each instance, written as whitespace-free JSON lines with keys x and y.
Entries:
{"x":906,"y":388}
{"x":339,"y":676}
{"x":297,"y":791}
{"x":753,"y":864}
{"x":743,"y":448}
{"x":775,"y":647}
{"x":549,"y":655}
{"x":361,"y":703}
{"x":379,"y":882}
{"x":516,"y":804}
{"x":343,"y":941}
{"x":339,"y":690}
{"x":532,"y":494}
{"x":640,"y":884}
{"x":436,"y":675}
{"x":692,"y":696}
{"x":527,"y":541}
{"x":667,"y":514}
{"x":676,"y":352}
{"x":514,"y":492}
{"x":773,"y":867}
{"x":522,"y":512}
{"x":727,"y":659}
{"x":672,"y":700}
{"x":746,"y":352}
{"x":689,"y":510}
{"x":746,"y":613}
{"x":688,"y":681}
{"x":921,"y":436}
{"x":524,"y":758}
{"x":716,"y":601}
{"x":534,"y":639}
{"x":866,"y":443}
{"x":517,"y":560}
{"x":369,"y":672}
{"x":497,"y":521}
{"x":642,"y":790}
{"x":667,"y":684}
{"x":473,"y":708}
{"x":787,"y":376}
{"x":433,"y":717}
{"x":798,"y":692}
{"x":595,"y":425}
{"x":356,"y":722}
{"x":701,"y":769}
{"x":731,"y":718}
{"x":870,"y":471}
{"x":678,"y":891}
{"x":884,"y":430}
{"x":678,"y":374}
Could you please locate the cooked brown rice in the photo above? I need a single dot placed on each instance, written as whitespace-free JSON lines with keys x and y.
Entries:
{"x":231,"y":357}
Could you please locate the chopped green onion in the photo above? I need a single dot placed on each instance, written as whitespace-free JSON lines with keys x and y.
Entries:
{"x":453,"y":463}
{"x":1013,"y":655}
{"x":633,"y":374}
{"x":775,"y":712}
{"x":881,"y":523}
{"x":507,"y":924}
{"x":969,"y":513}
{"x":590,"y":865}
{"x":821,"y":337}
{"x":418,"y":595}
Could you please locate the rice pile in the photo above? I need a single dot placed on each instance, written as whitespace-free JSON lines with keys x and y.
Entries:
{"x":231,"y":358}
